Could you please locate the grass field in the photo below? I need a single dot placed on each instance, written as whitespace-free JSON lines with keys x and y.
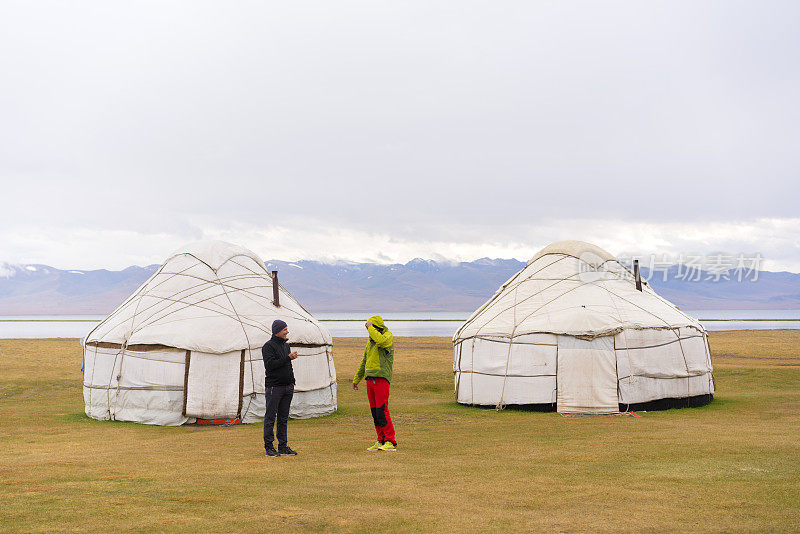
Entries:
{"x":731,"y":466}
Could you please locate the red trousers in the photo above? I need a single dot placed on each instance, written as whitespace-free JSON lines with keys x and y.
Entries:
{"x":378,"y":394}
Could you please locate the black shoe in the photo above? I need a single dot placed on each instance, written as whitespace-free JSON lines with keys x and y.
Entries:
{"x":286,"y":450}
{"x":272,"y":452}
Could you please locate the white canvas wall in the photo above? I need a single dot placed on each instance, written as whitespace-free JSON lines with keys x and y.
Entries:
{"x":584,"y":376}
{"x":314,"y":393}
{"x":657,"y":364}
{"x":518,"y":372}
{"x":150,"y":388}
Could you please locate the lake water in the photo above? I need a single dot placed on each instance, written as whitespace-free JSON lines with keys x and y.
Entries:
{"x":401,"y":324}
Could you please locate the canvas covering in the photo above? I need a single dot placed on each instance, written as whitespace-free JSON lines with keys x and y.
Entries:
{"x":200,"y":321}
{"x":519,"y":347}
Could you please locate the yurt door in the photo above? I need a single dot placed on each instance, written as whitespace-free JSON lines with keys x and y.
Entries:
{"x":586,"y":375}
{"x":213,"y":385}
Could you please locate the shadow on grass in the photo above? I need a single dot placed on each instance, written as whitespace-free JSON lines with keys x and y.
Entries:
{"x":82,"y":418}
{"x":77,"y":417}
{"x":719,"y":404}
{"x":434,"y":388}
{"x":492,"y":411}
{"x":341,"y":411}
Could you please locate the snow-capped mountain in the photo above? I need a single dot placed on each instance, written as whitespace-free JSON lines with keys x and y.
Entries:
{"x":41,"y":289}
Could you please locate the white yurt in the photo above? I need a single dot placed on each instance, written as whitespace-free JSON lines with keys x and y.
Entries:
{"x":571,"y":331}
{"x":186,"y":346}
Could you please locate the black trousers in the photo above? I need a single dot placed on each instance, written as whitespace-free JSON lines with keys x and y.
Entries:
{"x":279,"y":398}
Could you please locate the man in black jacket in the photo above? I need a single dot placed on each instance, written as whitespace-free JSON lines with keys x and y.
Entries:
{"x":279,"y":383}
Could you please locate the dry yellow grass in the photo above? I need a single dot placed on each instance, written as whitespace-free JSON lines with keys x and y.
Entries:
{"x":756,"y":348}
{"x":730,"y":466}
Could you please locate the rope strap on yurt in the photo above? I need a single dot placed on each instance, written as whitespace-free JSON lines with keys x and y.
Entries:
{"x":186,"y":381}
{"x":508,"y":356}
{"x":241,"y":386}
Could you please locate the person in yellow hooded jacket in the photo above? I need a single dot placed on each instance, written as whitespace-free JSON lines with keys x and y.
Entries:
{"x":376,"y":365}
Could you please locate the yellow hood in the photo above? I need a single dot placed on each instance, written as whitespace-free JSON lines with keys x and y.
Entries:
{"x":377,"y":320}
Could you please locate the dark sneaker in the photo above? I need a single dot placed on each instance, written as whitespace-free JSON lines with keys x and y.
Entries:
{"x":272,"y":452}
{"x":286,"y":450}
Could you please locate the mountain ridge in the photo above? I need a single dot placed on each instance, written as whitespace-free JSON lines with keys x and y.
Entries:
{"x":421,"y":285}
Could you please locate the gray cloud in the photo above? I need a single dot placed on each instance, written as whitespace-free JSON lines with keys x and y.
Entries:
{"x":441,"y":128}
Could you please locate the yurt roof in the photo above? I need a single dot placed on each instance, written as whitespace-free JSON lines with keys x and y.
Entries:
{"x":576,"y":249}
{"x":215,"y":254}
{"x":572,"y":288}
{"x":209,"y":296}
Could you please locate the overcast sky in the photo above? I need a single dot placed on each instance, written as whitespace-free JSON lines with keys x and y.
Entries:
{"x":383,"y":131}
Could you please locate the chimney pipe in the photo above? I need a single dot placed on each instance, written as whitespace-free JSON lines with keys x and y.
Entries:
{"x":275,"y":287}
{"x":636,"y":275}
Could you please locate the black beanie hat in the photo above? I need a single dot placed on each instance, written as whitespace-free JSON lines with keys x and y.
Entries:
{"x":277,"y":326}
